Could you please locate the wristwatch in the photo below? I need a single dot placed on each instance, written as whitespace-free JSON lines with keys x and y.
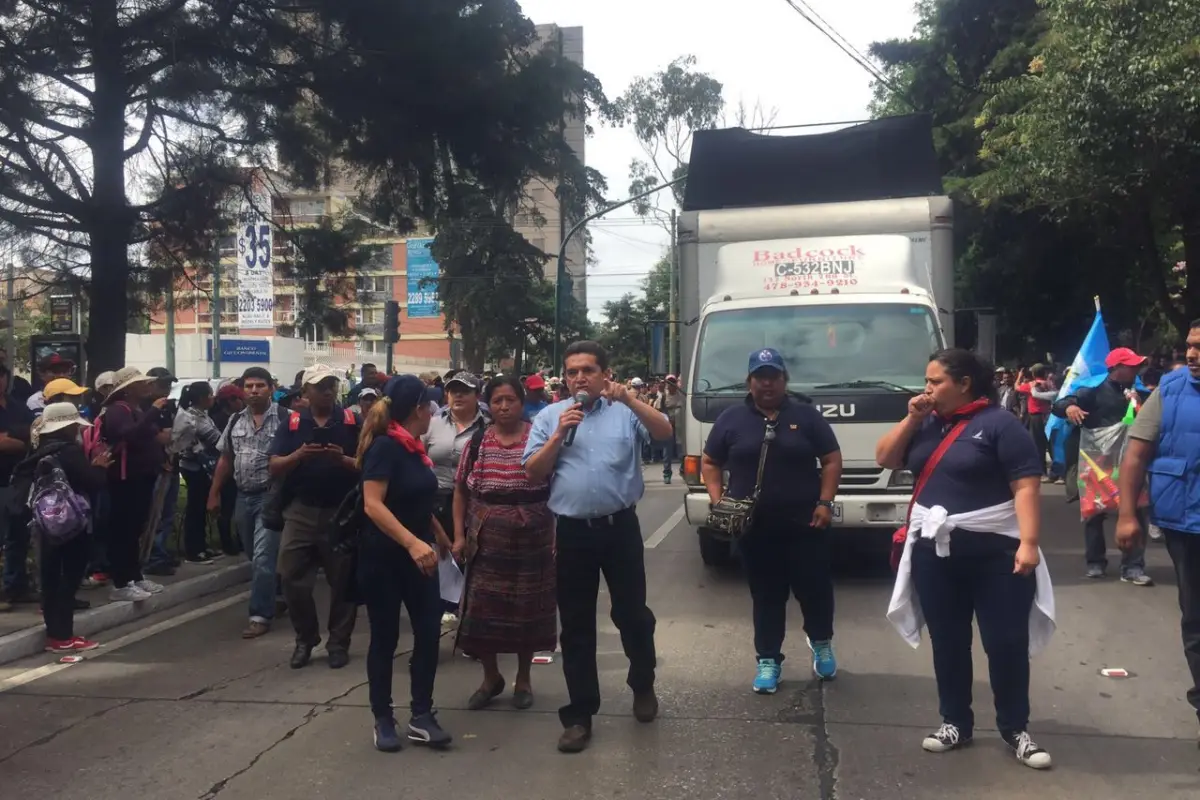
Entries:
{"x":825,"y":504}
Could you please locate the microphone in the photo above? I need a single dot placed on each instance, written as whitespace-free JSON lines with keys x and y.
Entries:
{"x":582,"y":398}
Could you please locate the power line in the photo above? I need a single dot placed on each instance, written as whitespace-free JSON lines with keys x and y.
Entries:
{"x":832,"y":35}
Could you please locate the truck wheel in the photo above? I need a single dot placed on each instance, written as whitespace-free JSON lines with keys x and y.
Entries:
{"x":713,"y":551}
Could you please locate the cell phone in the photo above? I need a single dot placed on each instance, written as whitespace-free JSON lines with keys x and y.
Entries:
{"x":323,"y":436}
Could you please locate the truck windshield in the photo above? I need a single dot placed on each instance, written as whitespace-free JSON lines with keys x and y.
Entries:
{"x":889,"y":342}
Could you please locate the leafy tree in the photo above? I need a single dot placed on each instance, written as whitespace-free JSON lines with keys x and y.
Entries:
{"x":625,"y":336}
{"x":1108,"y":119}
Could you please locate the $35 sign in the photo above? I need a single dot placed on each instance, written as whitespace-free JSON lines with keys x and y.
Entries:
{"x":255,"y":246}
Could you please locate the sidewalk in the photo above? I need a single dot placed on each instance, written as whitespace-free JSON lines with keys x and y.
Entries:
{"x":22,"y":633}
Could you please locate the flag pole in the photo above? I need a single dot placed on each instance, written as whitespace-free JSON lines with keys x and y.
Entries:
{"x":1097,"y":300}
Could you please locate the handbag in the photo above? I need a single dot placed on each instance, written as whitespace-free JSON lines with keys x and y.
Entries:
{"x":733,"y":516}
{"x":900,"y":537}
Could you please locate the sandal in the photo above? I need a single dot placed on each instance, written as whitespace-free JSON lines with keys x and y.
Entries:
{"x":483,"y":697}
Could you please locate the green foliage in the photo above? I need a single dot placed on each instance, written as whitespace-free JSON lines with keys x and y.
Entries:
{"x":626,"y":337}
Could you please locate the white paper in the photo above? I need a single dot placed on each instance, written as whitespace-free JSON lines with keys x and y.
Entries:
{"x":451,"y":579}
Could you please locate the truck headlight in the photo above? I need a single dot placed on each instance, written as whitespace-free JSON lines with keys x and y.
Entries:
{"x":901,"y":479}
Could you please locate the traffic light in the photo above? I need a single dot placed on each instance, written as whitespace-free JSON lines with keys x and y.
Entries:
{"x":391,"y":321}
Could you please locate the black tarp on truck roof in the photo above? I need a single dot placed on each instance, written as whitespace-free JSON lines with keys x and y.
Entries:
{"x":882,"y":159}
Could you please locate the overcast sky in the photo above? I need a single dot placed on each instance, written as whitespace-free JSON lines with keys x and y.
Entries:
{"x":761,"y":50}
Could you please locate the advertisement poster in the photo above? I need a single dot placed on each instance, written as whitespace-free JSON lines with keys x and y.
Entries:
{"x":255,"y":272}
{"x":62,"y":314}
{"x":422,"y":292}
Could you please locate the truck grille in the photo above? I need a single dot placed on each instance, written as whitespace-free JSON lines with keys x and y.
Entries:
{"x":861,"y":479}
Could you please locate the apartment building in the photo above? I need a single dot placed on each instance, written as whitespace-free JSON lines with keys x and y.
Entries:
{"x":424,"y":344}
{"x":542,"y":223}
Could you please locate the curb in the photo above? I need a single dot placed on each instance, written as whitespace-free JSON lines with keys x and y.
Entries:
{"x":31,"y":641}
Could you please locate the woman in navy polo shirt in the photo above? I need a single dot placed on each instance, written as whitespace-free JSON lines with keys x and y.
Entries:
{"x":397,"y":560}
{"x":788,"y":545}
{"x":972,"y":548}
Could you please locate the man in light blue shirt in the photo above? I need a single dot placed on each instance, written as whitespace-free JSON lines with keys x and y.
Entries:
{"x":591,"y":452}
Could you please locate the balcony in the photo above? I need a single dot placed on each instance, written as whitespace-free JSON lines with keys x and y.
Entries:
{"x":368,"y":328}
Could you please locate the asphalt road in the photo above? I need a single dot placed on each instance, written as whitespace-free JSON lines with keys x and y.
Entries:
{"x":186,"y":709}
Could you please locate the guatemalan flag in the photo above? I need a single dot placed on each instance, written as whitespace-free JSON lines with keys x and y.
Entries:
{"x":1086,"y":370}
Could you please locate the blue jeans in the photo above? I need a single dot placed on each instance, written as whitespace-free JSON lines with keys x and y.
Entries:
{"x":261,"y":546}
{"x":166,"y":525}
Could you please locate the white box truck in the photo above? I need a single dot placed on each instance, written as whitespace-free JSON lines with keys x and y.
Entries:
{"x":855,"y":295}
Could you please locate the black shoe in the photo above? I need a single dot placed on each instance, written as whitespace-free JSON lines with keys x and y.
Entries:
{"x":81,"y":605}
{"x":574,"y":739}
{"x":301,"y":656}
{"x":159,"y":569}
{"x":338,"y":658}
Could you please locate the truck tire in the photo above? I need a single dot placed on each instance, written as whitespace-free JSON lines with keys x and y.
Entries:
{"x":714,"y":552}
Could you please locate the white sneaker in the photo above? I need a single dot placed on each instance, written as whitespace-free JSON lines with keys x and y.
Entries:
{"x":150,"y":587}
{"x":1155,"y":532}
{"x":130,"y":592}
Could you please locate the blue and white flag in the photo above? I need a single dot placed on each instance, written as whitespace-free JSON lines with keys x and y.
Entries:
{"x":1087,"y":370}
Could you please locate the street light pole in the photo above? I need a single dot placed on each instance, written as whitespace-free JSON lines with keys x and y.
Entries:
{"x":560,"y":277}
{"x":671,"y":302}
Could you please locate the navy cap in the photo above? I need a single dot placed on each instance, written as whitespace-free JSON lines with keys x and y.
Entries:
{"x":767,"y":358}
{"x":406,"y":393}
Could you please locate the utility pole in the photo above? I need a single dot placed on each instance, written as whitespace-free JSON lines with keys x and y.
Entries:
{"x":170,"y":343}
{"x":10,"y":313}
{"x":216,"y":310}
{"x":560,"y":278}
{"x":671,"y":301}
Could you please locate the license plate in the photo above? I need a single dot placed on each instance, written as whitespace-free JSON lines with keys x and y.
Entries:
{"x":837,"y":512}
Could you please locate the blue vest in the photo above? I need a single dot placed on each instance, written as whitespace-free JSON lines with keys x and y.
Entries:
{"x":1175,"y":470}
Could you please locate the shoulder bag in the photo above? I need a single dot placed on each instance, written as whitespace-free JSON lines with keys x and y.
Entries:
{"x":901,"y":535}
{"x":732,"y":516}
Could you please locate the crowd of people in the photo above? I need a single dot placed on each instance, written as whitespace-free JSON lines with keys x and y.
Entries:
{"x":530,"y":487}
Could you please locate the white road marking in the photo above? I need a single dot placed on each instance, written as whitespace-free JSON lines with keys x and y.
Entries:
{"x":22,"y":678}
{"x":665,"y":529}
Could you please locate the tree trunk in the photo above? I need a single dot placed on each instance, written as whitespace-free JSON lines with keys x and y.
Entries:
{"x":474,"y":346}
{"x":109,"y":220}
{"x":1191,"y":255}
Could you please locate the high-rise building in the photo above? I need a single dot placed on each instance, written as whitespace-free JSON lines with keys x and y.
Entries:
{"x":542,"y":223}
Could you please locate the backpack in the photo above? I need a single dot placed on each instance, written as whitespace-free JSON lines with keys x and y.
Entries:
{"x":93,"y":440}
{"x":59,"y":512}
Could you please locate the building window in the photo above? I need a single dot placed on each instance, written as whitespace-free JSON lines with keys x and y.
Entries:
{"x":380,"y":286}
{"x":368,"y":316}
{"x":381,"y":258}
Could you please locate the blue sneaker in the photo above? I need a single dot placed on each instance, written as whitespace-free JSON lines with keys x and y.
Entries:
{"x":387,"y":739}
{"x":424,"y":729}
{"x":824,"y":661}
{"x":766,"y":680}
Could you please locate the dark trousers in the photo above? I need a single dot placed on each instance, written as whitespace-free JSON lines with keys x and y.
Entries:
{"x":1096,"y":546}
{"x":388,"y":579}
{"x":613,"y":547}
{"x":101,"y":508}
{"x":977,"y":580}
{"x":62,"y":568}
{"x":1037,"y":429}
{"x":784,"y":558}
{"x":14,"y":536}
{"x":195,"y":514}
{"x":229,"y":543}
{"x":304,"y":547}
{"x":1184,"y":549}
{"x":130,"y":510}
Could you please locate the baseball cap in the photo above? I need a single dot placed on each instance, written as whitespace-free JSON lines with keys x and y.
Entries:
{"x":317,"y":373}
{"x":161,"y":374}
{"x":767,"y":358}
{"x":671,"y":379}
{"x":467,"y":379}
{"x":62,"y":386}
{"x":535,"y":382}
{"x":368,"y":392}
{"x":104,"y":379}
{"x":1124,"y":357}
{"x":406,"y":393}
{"x":637,"y":382}
{"x":230,"y":390}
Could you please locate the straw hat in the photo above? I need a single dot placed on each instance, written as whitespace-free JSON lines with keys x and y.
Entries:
{"x":126,"y":377}
{"x":55,"y":417}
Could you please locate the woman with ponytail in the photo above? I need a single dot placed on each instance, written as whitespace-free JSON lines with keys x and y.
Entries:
{"x":194,"y":438}
{"x":398,"y":560}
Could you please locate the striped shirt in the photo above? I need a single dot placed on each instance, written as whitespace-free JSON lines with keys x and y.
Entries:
{"x":498,"y":469}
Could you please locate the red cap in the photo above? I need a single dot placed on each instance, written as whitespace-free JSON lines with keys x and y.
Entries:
{"x":230,"y":390}
{"x":1124,"y":357}
{"x":535,"y":382}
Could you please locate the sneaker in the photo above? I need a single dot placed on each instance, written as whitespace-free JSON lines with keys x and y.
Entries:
{"x":149,"y":587}
{"x":766,"y":680}
{"x":424,"y":729}
{"x":159,"y":570}
{"x":100,"y":578}
{"x":824,"y":661}
{"x":75,"y":644}
{"x":449,"y":622}
{"x":214,"y":555}
{"x":1154,"y":532}
{"x":387,"y":739}
{"x":90,"y":582}
{"x":1094,"y":571}
{"x":199,"y":558}
{"x":1137,"y":578}
{"x":131,"y":592}
{"x":666,"y":480}
{"x":944,"y":739}
{"x":1027,"y":751}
